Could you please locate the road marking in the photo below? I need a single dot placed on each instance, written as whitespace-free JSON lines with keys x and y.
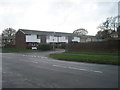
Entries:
{"x":98,"y":71}
{"x":77,"y":68}
{"x":36,"y":56}
{"x":59,"y":66}
{"x":24,"y":55}
{"x":34,"y":62}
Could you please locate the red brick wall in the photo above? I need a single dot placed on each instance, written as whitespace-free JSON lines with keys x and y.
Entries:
{"x":20,"y":40}
{"x":112,"y":45}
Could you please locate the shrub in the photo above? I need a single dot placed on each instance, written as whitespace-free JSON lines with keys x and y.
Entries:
{"x":44,"y":47}
{"x":63,"y":46}
{"x":73,"y":42}
{"x":9,"y":45}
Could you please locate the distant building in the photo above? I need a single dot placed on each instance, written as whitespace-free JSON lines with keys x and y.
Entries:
{"x":31,"y":38}
{"x":116,"y":34}
{"x":88,"y":38}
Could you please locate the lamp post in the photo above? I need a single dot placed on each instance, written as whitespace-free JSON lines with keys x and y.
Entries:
{"x":53,"y":41}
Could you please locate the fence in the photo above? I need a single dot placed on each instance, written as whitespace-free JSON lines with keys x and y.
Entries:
{"x":112,"y":45}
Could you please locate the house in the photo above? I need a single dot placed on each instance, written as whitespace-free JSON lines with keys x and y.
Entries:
{"x":116,"y":35}
{"x":31,"y":38}
{"x":88,"y":38}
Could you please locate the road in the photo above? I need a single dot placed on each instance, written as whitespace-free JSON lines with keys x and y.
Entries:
{"x":37,"y":70}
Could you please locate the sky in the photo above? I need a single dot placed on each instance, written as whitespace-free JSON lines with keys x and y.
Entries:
{"x":56,"y":15}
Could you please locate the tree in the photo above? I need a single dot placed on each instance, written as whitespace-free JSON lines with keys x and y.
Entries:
{"x":80,"y":31}
{"x":104,"y":34}
{"x":8,"y":37}
{"x":111,"y":23}
{"x":107,"y":28}
{"x":9,"y":32}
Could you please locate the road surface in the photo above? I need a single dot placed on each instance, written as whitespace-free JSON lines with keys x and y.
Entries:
{"x":37,"y":70}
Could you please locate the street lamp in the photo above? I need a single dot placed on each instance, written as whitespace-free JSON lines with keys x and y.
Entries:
{"x":53,"y":41}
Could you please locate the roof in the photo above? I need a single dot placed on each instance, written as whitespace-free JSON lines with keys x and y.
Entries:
{"x":37,"y":32}
{"x":26,"y":31}
{"x":87,"y":36}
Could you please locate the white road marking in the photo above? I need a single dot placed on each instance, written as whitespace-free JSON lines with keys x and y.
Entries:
{"x":77,"y":69}
{"x":63,"y":66}
{"x":36,"y":56}
{"x":34,"y":62}
{"x":59,"y":66}
{"x":98,"y":71}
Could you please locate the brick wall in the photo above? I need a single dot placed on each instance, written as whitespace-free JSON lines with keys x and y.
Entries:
{"x":20,"y":40}
{"x":95,"y":46}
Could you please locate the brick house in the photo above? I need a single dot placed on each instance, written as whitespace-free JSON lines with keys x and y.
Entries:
{"x":31,"y":38}
{"x":88,"y":38}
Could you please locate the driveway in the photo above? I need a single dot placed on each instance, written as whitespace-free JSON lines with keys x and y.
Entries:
{"x":37,"y":70}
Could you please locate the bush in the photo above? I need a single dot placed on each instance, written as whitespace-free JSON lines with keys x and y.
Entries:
{"x":9,"y":45}
{"x":73,"y":42}
{"x":63,"y":46}
{"x":44,"y":47}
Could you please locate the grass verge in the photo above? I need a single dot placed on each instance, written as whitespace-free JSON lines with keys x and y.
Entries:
{"x":94,"y":53}
{"x":7,"y":50}
{"x":84,"y":58}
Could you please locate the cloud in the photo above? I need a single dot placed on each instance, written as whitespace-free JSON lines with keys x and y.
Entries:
{"x":55,"y":15}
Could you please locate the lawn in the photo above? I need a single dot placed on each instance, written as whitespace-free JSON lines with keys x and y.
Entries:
{"x":94,"y":53}
{"x":84,"y":58}
{"x":7,"y":50}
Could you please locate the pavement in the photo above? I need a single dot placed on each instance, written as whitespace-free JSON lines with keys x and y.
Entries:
{"x":37,"y":70}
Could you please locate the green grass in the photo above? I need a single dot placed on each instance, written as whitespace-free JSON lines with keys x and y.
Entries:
{"x":94,"y":53}
{"x":84,"y":58}
{"x":7,"y":50}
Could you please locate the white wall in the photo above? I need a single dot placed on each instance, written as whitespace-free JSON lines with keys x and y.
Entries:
{"x":63,"y":39}
{"x":32,"y":38}
{"x":56,"y":39}
{"x":76,"y":39}
{"x":50,"y":39}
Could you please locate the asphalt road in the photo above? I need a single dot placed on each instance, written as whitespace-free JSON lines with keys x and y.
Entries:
{"x":37,"y":70}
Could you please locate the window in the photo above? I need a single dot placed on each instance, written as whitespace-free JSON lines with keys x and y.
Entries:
{"x":38,"y":36}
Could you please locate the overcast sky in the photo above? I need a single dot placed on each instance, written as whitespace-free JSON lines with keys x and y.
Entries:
{"x":56,"y":15}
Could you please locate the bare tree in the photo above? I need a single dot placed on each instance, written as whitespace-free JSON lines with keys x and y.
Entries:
{"x":111,"y":23}
{"x":108,"y":27}
{"x":80,"y":31}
